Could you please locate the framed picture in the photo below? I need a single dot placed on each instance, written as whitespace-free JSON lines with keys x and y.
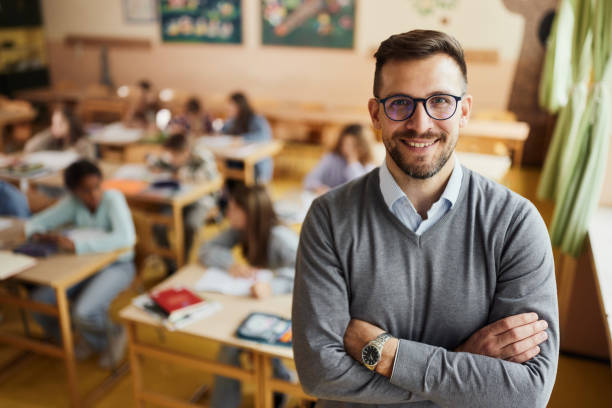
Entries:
{"x":140,"y":11}
{"x":308,"y":23}
{"x":209,"y":21}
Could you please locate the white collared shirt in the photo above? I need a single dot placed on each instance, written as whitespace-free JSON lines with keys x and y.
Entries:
{"x":404,"y":210}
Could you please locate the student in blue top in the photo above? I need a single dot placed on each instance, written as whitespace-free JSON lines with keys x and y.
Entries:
{"x":350,"y":158}
{"x":12,"y":201}
{"x":88,"y":206}
{"x":243,"y":121}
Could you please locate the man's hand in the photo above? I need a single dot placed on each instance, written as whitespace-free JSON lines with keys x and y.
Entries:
{"x":358,"y":334}
{"x":515,"y":338}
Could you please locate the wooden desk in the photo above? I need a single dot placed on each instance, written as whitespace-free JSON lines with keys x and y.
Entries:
{"x":14,"y":117}
{"x":45,"y":96}
{"x":144,"y":200}
{"x":232,"y":148}
{"x":59,"y":272}
{"x":600,"y":238}
{"x":479,"y":135}
{"x":219,"y":327}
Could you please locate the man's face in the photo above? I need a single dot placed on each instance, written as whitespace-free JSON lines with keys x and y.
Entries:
{"x":89,"y":191}
{"x":421,"y":146}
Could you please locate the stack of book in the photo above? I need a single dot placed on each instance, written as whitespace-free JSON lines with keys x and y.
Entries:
{"x":176,"y":307}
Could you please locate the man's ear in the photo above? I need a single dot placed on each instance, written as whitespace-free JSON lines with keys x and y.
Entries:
{"x":466,"y":110}
{"x":374,"y":109}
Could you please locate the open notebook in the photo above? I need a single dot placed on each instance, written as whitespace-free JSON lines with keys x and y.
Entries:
{"x":217,"y":280}
{"x":12,"y":263}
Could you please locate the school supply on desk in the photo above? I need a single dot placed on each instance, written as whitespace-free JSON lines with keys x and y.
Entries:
{"x":5,"y":223}
{"x":127,"y":187}
{"x":217,"y":280}
{"x":266,"y":328}
{"x":24,"y":170}
{"x":12,"y":263}
{"x":37,"y":249}
{"x":176,"y":307}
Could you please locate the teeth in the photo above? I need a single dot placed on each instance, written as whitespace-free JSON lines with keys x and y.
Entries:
{"x":412,"y":144}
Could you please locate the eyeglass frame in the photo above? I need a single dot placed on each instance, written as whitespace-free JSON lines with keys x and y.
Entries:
{"x":416,"y":102}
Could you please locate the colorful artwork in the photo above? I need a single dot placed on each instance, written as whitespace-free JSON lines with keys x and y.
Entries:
{"x":213,"y":21}
{"x":310,"y":23}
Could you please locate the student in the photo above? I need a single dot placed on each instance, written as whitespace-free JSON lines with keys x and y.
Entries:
{"x":88,"y":206}
{"x":191,"y":164}
{"x":143,"y":107}
{"x":65,"y":132}
{"x":350,"y":158}
{"x":12,"y":201}
{"x":265,"y":243}
{"x":244,"y":122}
{"x":194,"y":120}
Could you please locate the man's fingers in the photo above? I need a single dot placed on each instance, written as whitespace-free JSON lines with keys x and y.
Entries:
{"x":526,"y":356}
{"x":522,"y":332}
{"x":511,"y":322}
{"x":523,"y":346}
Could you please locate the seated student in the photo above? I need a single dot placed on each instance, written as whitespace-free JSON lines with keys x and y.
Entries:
{"x":350,"y":158}
{"x":65,"y":132}
{"x":12,"y":201}
{"x":265,"y":243}
{"x":143,"y":106}
{"x":242,"y":121}
{"x":190,"y":164}
{"x":194,"y":120}
{"x":88,"y":206}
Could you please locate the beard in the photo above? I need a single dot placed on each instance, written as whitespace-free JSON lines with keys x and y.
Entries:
{"x":423,"y":169}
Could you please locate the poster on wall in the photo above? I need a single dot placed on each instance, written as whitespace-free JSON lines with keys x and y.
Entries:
{"x":210,"y":21}
{"x":308,"y":23}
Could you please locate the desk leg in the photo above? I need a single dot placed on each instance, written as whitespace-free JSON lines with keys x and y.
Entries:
{"x":249,"y":173}
{"x":64,"y":321}
{"x":517,"y":155}
{"x":264,"y":374}
{"x":135,"y":364}
{"x":177,"y":212}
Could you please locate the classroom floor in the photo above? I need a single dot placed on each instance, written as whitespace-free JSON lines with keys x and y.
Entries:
{"x":40,"y":381}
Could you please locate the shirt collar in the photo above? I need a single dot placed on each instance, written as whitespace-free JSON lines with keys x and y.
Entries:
{"x":392,"y":192}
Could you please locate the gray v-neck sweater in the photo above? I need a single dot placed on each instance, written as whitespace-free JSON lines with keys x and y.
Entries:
{"x":488,"y":258}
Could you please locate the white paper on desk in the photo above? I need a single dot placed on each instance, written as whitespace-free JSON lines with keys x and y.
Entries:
{"x":217,"y":280}
{"x":219,"y":141}
{"x":132,"y":172}
{"x":5,"y":223}
{"x":53,"y":160}
{"x":117,"y":133}
{"x":12,"y":263}
{"x":243,"y":151}
{"x":85,"y":234}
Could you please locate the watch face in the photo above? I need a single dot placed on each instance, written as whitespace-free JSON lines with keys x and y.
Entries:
{"x":370,"y":355}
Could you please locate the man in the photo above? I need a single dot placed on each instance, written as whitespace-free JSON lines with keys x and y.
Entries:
{"x":424,"y":284}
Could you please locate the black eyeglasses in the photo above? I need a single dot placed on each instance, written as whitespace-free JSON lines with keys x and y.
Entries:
{"x":401,"y":107}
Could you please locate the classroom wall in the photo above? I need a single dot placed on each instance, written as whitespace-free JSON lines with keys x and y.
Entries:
{"x":334,"y":77}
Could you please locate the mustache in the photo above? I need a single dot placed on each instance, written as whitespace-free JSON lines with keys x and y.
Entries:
{"x":412,"y":134}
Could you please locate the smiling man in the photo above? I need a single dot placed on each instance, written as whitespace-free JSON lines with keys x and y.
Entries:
{"x":424,"y":284}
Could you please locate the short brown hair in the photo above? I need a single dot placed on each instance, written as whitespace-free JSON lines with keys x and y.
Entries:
{"x":177,"y":143}
{"x":417,"y":44}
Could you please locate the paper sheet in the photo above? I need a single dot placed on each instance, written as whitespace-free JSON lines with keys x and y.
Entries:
{"x":5,"y":223}
{"x":79,"y":234}
{"x":117,"y":133}
{"x":217,"y":280}
{"x":12,"y":263}
{"x":53,"y":160}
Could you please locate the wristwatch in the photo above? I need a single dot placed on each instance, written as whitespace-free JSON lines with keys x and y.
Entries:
{"x":372,"y":352}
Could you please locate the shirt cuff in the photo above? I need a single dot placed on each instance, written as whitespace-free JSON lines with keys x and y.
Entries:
{"x":399,"y":343}
{"x":412,"y":361}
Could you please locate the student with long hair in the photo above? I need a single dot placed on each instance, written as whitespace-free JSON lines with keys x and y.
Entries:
{"x":244,"y":122}
{"x":350,"y":158}
{"x":265,"y":243}
{"x":65,"y":132}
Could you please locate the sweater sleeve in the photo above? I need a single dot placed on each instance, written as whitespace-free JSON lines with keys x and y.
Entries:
{"x":62,"y":213}
{"x":526,"y":283}
{"x":38,"y":142}
{"x":320,"y":317}
{"x":259,"y":130}
{"x":122,"y":233}
{"x":218,"y":251}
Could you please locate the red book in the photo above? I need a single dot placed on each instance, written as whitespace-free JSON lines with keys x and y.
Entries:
{"x":178,"y":302}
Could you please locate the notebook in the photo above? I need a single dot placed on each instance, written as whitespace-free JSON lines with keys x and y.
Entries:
{"x":13,"y":263}
{"x":217,"y":280}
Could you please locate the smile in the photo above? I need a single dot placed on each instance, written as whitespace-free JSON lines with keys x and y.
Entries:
{"x":415,"y":144}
